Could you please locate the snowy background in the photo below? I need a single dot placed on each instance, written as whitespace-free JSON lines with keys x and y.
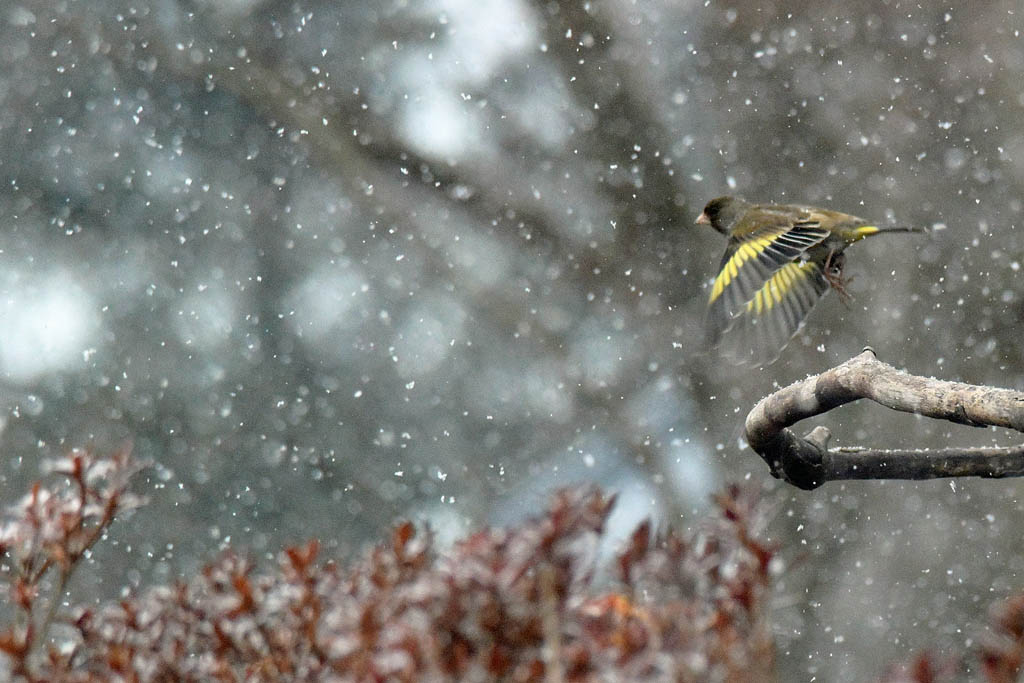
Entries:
{"x":331,"y":264}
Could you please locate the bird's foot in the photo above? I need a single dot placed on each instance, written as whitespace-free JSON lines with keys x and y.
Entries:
{"x":835,"y":278}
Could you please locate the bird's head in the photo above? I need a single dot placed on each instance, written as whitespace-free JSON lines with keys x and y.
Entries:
{"x":722,"y":213}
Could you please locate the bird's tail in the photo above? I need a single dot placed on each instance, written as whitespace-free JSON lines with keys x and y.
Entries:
{"x":869,"y":230}
{"x":901,"y":228}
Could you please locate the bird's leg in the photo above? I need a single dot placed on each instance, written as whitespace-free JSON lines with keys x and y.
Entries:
{"x":834,"y":275}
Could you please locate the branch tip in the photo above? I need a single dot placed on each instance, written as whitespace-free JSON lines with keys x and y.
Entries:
{"x":819,"y":436}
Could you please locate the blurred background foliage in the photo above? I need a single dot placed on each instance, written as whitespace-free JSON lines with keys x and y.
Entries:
{"x":335,"y":263}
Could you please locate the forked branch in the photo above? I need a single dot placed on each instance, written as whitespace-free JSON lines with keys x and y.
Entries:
{"x":807,"y":462}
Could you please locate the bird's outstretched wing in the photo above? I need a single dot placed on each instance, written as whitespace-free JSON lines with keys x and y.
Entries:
{"x":750,"y":261}
{"x":760,"y":331}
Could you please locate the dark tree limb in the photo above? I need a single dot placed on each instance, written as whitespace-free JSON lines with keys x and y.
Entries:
{"x":807,"y":462}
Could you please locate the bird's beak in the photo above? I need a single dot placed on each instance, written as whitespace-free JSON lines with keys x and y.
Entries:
{"x":703,"y":219}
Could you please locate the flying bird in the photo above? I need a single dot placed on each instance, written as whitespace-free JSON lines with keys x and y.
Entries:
{"x":779,"y":261}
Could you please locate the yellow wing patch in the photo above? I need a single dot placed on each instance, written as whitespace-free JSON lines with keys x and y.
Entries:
{"x":778,"y":286}
{"x":745,"y":252}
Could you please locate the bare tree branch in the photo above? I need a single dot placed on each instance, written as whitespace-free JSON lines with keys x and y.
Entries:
{"x":807,"y":462}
